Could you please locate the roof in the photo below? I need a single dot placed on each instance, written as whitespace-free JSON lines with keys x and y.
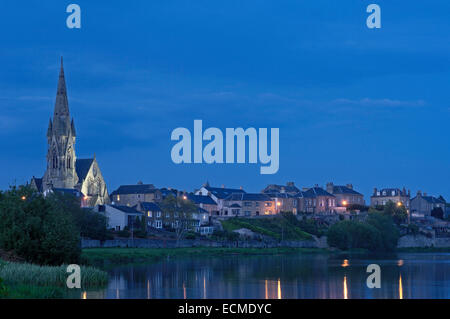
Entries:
{"x":431,"y":199}
{"x":69,"y":191}
{"x":202,"y":211}
{"x":38,"y":183}
{"x":273,"y":188}
{"x":149,"y":206}
{"x":82,"y":166}
{"x":344,"y":190}
{"x":199,"y":199}
{"x":127,"y":209}
{"x":313,"y":192}
{"x":135,"y":189}
{"x":279,"y":195}
{"x":222,"y":193}
{"x":249,"y":197}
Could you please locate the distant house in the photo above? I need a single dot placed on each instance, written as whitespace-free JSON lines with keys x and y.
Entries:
{"x":218,"y":194}
{"x":380,"y":197}
{"x":120,"y":217}
{"x":345,"y":195}
{"x":284,"y":202}
{"x":153,"y":213}
{"x":131,"y":195}
{"x":316,"y":200}
{"x":248,"y":205}
{"x":289,"y":188}
{"x":422,"y":205}
{"x":206,"y":203}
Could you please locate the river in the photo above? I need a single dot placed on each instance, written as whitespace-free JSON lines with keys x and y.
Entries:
{"x":315,"y":275}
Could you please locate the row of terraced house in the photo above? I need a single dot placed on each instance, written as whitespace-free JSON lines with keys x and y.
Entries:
{"x":221,"y":202}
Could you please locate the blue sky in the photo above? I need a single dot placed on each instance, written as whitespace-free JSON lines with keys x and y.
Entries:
{"x":354,"y":105}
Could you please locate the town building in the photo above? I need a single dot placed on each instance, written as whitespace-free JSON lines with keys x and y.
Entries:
{"x":289,"y":188}
{"x":132,"y":195}
{"x":64,"y":169}
{"x":422,"y":205}
{"x":381,"y":197}
{"x":206,"y":203}
{"x":345,"y":195}
{"x":120,"y":217}
{"x":316,"y":200}
{"x":218,"y":194}
{"x":153,"y":213}
{"x":248,"y":205}
{"x":284,"y":202}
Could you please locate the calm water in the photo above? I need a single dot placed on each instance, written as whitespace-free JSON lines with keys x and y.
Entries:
{"x":404,"y":275}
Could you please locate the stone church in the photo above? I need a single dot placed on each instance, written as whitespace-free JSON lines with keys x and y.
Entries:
{"x":65,"y":172}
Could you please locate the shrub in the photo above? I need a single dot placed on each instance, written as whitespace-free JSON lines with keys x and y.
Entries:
{"x":349,"y":235}
{"x":37,"y":229}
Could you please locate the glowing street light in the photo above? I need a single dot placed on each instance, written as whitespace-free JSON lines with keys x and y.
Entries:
{"x":344,"y":203}
{"x":23,"y":198}
{"x":399,"y":204}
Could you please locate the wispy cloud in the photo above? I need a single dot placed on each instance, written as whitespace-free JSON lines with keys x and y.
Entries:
{"x":386,"y":102}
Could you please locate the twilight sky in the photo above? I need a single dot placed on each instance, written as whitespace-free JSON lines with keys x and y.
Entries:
{"x":354,"y":105}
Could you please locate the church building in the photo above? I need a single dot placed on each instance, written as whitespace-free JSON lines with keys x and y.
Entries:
{"x":64,"y":170}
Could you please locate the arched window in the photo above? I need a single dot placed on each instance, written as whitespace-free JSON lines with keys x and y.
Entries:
{"x":69,"y":162}
{"x":55,"y":161}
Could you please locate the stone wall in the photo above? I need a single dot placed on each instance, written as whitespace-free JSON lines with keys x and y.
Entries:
{"x":410,"y":241}
{"x":159,"y":243}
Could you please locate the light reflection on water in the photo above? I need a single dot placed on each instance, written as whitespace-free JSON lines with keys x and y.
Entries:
{"x":282,"y":276}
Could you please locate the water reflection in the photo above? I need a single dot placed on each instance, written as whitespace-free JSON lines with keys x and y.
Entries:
{"x":345,"y":288}
{"x":290,"y":276}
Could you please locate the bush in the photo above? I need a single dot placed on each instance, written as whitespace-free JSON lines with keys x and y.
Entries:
{"x":89,"y":223}
{"x":37,"y":229}
{"x":190,"y":235}
{"x":349,"y":235}
{"x":388,"y":231}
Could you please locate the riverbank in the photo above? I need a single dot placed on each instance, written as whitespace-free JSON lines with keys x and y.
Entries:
{"x":105,"y":256}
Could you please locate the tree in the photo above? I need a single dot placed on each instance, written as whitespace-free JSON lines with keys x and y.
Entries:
{"x":387,"y":228}
{"x":37,"y":229}
{"x":437,"y":212}
{"x":90,"y":224}
{"x":396,"y":211}
{"x":178,"y":212}
{"x":350,"y":234}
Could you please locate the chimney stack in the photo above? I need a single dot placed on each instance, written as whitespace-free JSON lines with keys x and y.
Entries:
{"x":223,"y":186}
{"x":350,"y":186}
{"x":375,"y":191}
{"x":419,"y":193}
{"x":330,"y":187}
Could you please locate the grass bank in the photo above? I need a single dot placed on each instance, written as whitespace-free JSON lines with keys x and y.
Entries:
{"x":34,"y":281}
{"x":276,"y":228}
{"x":104,"y":256}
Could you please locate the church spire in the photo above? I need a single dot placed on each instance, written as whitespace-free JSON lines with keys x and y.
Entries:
{"x":61,"y":104}
{"x":61,"y":115}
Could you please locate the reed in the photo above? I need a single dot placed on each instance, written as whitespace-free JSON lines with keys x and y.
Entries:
{"x":54,"y":276}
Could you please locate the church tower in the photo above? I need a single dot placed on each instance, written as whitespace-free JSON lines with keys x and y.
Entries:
{"x":61,"y":159}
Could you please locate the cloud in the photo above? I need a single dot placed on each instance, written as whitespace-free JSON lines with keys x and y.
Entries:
{"x":368,"y":102}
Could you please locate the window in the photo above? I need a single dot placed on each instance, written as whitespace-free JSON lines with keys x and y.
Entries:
{"x":118,"y":198}
{"x":247,"y":204}
{"x":257,"y":204}
{"x":247,"y":213}
{"x":393,"y":193}
{"x":69,"y":162}
{"x":158,"y":214}
{"x":149,"y":214}
{"x":55,"y":161}
{"x":158,"y":224}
